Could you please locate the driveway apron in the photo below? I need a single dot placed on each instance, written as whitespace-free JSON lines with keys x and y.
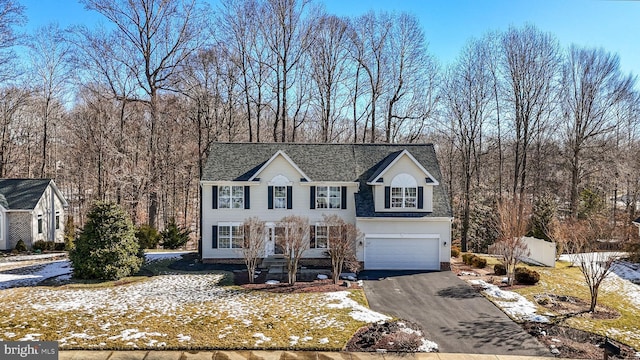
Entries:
{"x":451,"y":313}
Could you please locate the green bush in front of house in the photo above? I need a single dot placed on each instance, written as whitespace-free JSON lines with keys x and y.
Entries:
{"x":526,"y":276}
{"x":107,"y":247}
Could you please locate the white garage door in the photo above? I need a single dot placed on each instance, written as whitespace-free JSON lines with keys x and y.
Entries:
{"x":402,"y":254}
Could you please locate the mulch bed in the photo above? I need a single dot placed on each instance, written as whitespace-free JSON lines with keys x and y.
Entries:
{"x":573,"y":343}
{"x":241,"y":278}
{"x":388,"y":335}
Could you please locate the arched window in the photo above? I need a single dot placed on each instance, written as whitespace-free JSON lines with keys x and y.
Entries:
{"x":404,"y":191}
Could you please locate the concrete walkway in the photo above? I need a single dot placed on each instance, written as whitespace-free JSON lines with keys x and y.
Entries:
{"x":275,"y":355}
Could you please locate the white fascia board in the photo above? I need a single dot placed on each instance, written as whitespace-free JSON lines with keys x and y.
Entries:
{"x":286,"y":157}
{"x":59,"y":194}
{"x":330,"y":183}
{"x":229,"y":183}
{"x":402,"y":236}
{"x":403,"y":153}
{"x":405,"y":219}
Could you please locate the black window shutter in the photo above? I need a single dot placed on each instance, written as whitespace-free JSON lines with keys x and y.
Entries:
{"x":270,"y":197}
{"x":387,"y":197}
{"x":312,"y":236}
{"x":214,"y":198}
{"x":420,"y":197}
{"x":214,"y":237}
{"x":289,"y":197}
{"x":247,"y":193}
{"x":312,"y":197}
{"x":343,"y":193}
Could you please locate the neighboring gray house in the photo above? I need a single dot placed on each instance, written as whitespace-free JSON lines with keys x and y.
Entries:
{"x":30,"y":210}
{"x":392,"y":193}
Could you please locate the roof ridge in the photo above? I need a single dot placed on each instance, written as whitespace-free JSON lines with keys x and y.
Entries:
{"x":318,"y":143}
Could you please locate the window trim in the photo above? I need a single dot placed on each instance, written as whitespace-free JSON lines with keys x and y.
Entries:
{"x":57,"y":219}
{"x":404,"y":198}
{"x":230,"y":198}
{"x":313,"y":244}
{"x":328,"y":197}
{"x":230,"y":236}
{"x":282,"y":198}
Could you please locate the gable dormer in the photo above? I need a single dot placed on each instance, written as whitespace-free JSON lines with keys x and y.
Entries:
{"x":402,"y":184}
{"x":280,"y":164}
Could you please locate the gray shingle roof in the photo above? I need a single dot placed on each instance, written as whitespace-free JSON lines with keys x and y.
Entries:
{"x":328,"y":162}
{"x":23,"y":194}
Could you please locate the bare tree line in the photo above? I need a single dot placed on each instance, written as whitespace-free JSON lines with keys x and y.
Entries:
{"x":126,"y":111}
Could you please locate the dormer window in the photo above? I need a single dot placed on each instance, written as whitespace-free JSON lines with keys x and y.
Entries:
{"x":403,"y":197}
{"x":403,"y":192}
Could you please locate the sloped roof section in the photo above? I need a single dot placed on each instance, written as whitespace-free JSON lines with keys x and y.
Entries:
{"x":23,"y":194}
{"x":328,"y":162}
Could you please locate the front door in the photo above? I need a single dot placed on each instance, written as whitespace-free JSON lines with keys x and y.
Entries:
{"x":273,"y":235}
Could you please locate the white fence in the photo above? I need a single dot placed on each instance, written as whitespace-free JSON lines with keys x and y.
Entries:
{"x":540,"y":251}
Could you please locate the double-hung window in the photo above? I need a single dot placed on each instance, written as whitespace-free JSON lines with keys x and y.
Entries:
{"x":280,"y":197}
{"x":321,"y":238}
{"x":230,"y":236}
{"x":231,"y":197}
{"x":322,"y":235}
{"x":328,"y":197}
{"x":404,"y":197}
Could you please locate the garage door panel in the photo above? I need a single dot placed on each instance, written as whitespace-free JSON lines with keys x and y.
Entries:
{"x":402,"y":254}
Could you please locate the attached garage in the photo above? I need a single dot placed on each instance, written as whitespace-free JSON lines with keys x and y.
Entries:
{"x":402,"y":252}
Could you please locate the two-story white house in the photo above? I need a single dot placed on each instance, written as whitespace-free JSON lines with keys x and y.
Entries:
{"x":392,"y":193}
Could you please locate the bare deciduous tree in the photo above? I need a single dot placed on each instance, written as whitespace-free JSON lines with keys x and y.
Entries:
{"x":294,"y":242}
{"x":328,"y":58}
{"x":593,"y":85}
{"x":342,"y":242}
{"x":467,"y":93}
{"x":157,"y":37}
{"x":530,"y":60}
{"x":581,"y":239}
{"x":512,"y":226}
{"x":11,"y":14}
{"x":253,"y":247}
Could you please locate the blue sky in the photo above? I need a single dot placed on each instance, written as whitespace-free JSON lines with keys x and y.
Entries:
{"x":449,"y":24}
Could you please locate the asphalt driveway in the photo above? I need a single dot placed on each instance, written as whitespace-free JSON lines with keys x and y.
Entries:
{"x":451,"y":313}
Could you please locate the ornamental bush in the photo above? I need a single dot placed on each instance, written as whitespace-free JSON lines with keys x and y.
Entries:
{"x":499,"y":269}
{"x":20,"y":246}
{"x":478,"y":262}
{"x":526,"y":276}
{"x":174,"y":236}
{"x":455,"y":251}
{"x":148,"y":237}
{"x":107,"y":248}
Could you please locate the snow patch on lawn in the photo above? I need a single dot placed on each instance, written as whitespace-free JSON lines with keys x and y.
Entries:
{"x":95,"y":316}
{"x":514,"y":304}
{"x":154,"y":256}
{"x":33,"y":275}
{"x":359,"y":312}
